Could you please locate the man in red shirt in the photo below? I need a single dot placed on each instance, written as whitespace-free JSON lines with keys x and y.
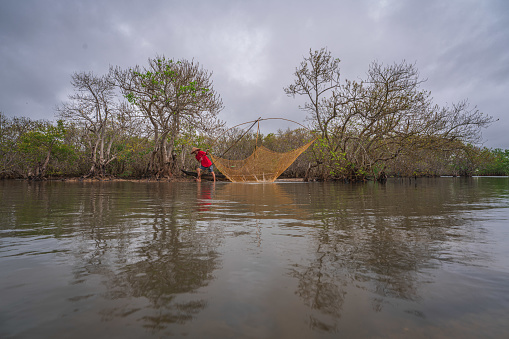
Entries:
{"x":205,"y":163}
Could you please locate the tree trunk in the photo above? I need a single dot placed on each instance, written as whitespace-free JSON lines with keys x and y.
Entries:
{"x":159,"y":164}
{"x":40,"y":169}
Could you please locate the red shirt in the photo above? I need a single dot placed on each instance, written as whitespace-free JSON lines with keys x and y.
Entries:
{"x":203,"y":159}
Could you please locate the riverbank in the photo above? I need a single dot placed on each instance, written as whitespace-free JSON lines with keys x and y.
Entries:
{"x":209,"y":178}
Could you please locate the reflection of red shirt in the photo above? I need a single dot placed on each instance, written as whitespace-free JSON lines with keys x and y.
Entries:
{"x":203,"y":159}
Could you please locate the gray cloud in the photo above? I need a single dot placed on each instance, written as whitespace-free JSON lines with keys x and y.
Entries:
{"x":252,"y":48}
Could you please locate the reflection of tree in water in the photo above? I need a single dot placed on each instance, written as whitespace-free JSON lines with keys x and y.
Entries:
{"x":142,"y":238}
{"x":148,"y":251}
{"x":177,"y":262}
{"x":153,"y":252}
{"x":320,"y":288}
{"x":380,"y":239}
{"x":317,"y":285}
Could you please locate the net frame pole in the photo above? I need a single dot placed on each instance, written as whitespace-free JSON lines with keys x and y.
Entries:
{"x":235,"y":143}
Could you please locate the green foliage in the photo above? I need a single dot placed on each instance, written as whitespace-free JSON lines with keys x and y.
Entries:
{"x":131,"y":98}
{"x":498,"y":164}
{"x":335,"y":161}
{"x":159,"y":81}
{"x":39,"y":145}
{"x":46,"y":136}
{"x":469,"y":160}
{"x":131,"y":156}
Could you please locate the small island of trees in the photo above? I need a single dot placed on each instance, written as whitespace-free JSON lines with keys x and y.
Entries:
{"x":142,"y":122}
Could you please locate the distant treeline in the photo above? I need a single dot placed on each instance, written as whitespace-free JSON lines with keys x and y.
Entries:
{"x":36,"y":149}
{"x":142,"y":122}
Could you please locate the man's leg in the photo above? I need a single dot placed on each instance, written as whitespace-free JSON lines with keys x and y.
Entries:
{"x":211,"y":170}
{"x":199,"y":174}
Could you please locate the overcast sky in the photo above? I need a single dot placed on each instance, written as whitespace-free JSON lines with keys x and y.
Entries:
{"x":253,"y":47}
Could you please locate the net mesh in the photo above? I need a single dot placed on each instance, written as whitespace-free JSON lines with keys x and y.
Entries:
{"x":263,"y":165}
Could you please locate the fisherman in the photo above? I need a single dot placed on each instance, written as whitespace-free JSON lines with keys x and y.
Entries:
{"x":205,"y":163}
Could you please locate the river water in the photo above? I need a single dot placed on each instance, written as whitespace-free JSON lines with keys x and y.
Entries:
{"x":425,"y":258}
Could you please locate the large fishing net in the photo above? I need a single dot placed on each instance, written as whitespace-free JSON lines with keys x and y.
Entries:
{"x":263,"y":165}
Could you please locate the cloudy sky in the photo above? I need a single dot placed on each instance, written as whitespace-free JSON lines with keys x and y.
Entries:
{"x":253,"y":47}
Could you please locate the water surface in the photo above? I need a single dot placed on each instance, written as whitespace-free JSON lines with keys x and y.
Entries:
{"x":421,"y":259}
